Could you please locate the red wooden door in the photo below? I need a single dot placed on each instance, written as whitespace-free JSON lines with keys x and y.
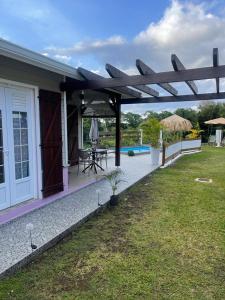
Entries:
{"x":51,"y":142}
{"x":72,"y":125}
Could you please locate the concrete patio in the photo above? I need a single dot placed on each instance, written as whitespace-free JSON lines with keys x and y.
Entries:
{"x":55,"y":217}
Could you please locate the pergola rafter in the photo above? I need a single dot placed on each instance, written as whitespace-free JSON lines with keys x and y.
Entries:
{"x":92,"y":76}
{"x":118,"y":85}
{"x":116,"y":73}
{"x":133,"y":80}
{"x":181,"y":98}
{"x":178,"y":66}
{"x":146,"y":70}
{"x":120,"y":82}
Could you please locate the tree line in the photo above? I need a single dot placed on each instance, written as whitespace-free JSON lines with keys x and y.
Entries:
{"x":130,"y":121}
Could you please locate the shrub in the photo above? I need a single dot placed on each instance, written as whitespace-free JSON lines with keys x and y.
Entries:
{"x":151,"y":128}
{"x":130,"y":153}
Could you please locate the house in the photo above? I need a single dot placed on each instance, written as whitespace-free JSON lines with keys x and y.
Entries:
{"x":43,"y":101}
{"x":40,"y":125}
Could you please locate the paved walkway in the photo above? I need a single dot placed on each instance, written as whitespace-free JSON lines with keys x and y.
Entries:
{"x":55,"y":218}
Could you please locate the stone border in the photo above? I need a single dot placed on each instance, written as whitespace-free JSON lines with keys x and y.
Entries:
{"x":32,"y":256}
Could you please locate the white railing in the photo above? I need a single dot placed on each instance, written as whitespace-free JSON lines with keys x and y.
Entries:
{"x":173,"y":150}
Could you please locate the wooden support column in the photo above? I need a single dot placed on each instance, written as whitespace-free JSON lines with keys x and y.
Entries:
{"x":118,"y":123}
{"x":163,"y":154}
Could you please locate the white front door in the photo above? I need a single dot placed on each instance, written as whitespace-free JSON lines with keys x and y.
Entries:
{"x":17,"y":129}
{"x":4,"y":155}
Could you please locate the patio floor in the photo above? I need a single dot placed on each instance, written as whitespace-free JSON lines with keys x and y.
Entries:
{"x":51,"y":220}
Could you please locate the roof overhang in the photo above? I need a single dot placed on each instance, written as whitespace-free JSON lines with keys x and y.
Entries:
{"x":19,"y":53}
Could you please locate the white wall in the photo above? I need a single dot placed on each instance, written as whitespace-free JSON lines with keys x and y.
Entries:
{"x":191,"y":144}
{"x":172,"y":150}
{"x":175,"y":149}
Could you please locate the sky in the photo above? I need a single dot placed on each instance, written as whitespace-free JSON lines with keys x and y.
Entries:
{"x":92,"y":33}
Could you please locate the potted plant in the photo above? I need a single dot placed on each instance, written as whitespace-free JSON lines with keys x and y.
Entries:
{"x":114,"y":179}
{"x":151,"y":129}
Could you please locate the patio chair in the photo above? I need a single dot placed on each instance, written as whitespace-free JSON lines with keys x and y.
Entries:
{"x":103,"y":155}
{"x":212,"y":140}
{"x":84,"y":158}
{"x":223,"y":142}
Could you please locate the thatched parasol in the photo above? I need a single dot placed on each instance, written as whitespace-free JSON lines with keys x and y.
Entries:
{"x":176,"y":123}
{"x":218,"y":121}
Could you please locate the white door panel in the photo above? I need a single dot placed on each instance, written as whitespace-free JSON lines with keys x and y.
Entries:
{"x":4,"y":155}
{"x":20,"y":141}
{"x":16,"y":106}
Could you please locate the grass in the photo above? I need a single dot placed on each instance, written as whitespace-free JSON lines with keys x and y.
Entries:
{"x":165,"y":240}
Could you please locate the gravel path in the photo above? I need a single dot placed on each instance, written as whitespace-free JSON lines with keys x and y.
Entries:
{"x":56,"y":217}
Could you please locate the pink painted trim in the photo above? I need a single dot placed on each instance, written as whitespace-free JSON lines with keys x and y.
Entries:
{"x":26,"y":208}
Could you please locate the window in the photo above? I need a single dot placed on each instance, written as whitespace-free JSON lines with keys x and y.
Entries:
{"x":21,"y":152}
{"x":2,"y":174}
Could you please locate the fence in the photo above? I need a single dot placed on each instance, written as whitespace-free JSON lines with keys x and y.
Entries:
{"x":173,"y":150}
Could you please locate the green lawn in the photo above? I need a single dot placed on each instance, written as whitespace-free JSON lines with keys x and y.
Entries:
{"x":166,"y":240}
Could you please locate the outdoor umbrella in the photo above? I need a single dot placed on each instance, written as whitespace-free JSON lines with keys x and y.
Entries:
{"x":218,"y":121}
{"x":176,"y":123}
{"x":94,"y":133}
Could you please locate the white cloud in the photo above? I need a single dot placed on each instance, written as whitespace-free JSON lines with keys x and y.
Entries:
{"x":26,"y":9}
{"x":4,"y":36}
{"x":89,"y":46}
{"x":63,"y":58}
{"x":41,"y":17}
{"x":188,"y":29}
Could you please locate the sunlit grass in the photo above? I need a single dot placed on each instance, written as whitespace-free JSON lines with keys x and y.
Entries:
{"x":166,"y":240}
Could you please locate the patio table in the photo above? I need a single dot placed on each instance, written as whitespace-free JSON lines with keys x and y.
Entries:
{"x":94,"y":165}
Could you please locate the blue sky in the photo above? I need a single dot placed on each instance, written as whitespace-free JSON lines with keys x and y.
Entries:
{"x":91,"y":33}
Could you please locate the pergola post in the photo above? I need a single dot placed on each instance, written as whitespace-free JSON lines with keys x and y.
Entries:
{"x":118,"y":123}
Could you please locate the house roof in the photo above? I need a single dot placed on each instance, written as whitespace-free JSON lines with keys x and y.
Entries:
{"x":36,"y":59}
{"x":27,"y":56}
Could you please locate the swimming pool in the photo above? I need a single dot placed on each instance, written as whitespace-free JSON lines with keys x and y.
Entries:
{"x":136,"y":149}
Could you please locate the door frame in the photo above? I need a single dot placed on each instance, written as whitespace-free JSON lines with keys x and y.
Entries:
{"x":36,"y":140}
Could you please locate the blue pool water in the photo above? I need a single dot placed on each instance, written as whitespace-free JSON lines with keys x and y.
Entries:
{"x":136,"y":149}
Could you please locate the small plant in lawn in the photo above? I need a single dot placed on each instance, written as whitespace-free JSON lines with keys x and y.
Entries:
{"x":114,"y":179}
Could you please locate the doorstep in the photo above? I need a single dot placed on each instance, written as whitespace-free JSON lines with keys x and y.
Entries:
{"x":9,"y":214}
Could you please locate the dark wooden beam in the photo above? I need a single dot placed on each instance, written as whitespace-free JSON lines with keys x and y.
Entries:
{"x":98,"y":116}
{"x":146,"y":70}
{"x":116,"y":73}
{"x":118,"y":132}
{"x":178,"y":66}
{"x":216,"y":64}
{"x":181,"y":98}
{"x":92,"y":76}
{"x":163,"y":77}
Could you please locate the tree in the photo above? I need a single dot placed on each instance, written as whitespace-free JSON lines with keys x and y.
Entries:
{"x":189,"y":114}
{"x":132,"y":120}
{"x":151,"y":114}
{"x":164,"y":114}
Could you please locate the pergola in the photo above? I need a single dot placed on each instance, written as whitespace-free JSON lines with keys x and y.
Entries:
{"x":122,"y":88}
